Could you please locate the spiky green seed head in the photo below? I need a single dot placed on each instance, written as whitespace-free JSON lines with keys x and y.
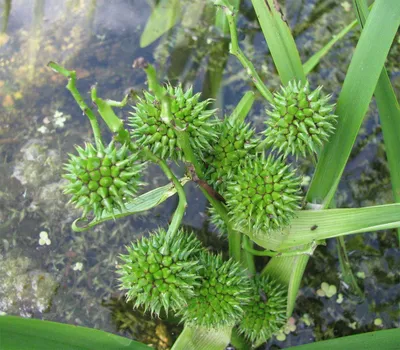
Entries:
{"x":235,"y":141}
{"x":149,"y":130}
{"x":221,"y":295}
{"x":266,"y":312}
{"x":263,"y":194}
{"x":217,"y":220}
{"x":102,"y":180}
{"x":161,"y":273}
{"x":300,"y":120}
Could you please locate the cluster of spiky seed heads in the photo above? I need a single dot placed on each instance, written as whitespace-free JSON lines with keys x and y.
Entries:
{"x":300,"y":120}
{"x":150,"y":130}
{"x":164,"y":272}
{"x":176,"y":274}
{"x":265,"y":314}
{"x":102,"y":180}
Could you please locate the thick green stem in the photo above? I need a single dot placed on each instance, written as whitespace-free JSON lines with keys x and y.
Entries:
{"x":234,"y":237}
{"x":345,"y":266}
{"x":105,"y":110}
{"x":238,"y":341}
{"x":236,"y":51}
{"x":71,"y":86}
{"x":180,"y":210}
{"x":248,"y":257}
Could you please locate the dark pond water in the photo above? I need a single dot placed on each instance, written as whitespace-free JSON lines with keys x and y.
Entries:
{"x":47,"y":271}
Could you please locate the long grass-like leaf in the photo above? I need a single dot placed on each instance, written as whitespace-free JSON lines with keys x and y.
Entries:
{"x":314,"y":225}
{"x":359,"y":85}
{"x":289,"y":272}
{"x":200,"y":338}
{"x":163,"y":17}
{"x":279,"y":40}
{"x":17,"y":333}
{"x":142,"y":203}
{"x":313,"y":61}
{"x":389,"y":112}
{"x":386,"y":339}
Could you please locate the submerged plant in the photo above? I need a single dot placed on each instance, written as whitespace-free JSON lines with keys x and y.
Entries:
{"x":300,"y":120}
{"x":160,"y":272}
{"x":150,"y":130}
{"x":102,"y":179}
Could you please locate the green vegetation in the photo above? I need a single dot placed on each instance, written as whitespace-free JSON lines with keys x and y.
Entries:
{"x":248,"y":178}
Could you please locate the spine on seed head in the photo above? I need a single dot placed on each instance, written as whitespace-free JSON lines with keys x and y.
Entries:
{"x":263,"y":194}
{"x":102,"y":180}
{"x":149,"y":130}
{"x":161,"y":279}
{"x":300,"y":120}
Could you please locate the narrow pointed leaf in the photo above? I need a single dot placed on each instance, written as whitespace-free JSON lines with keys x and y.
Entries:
{"x":17,"y":333}
{"x":313,"y":225}
{"x":279,"y":40}
{"x":289,"y":272}
{"x":389,"y":113}
{"x":313,"y":61}
{"x":162,"y":19}
{"x":199,"y":338}
{"x":385,"y":339}
{"x":359,"y":85}
{"x":139,"y":204}
{"x":243,"y":108}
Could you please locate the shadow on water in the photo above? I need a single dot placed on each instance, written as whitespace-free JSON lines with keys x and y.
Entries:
{"x":70,"y":277}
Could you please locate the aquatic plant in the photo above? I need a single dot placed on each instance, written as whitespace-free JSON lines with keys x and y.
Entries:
{"x":300,"y":120}
{"x":246,"y":177}
{"x":266,"y":313}
{"x":159,"y":272}
{"x":102,"y":179}
{"x":263,"y":194}
{"x":223,"y":292}
{"x":150,"y":129}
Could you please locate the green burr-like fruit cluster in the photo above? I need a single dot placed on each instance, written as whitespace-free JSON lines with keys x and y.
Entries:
{"x":266,"y":312}
{"x":149,"y":130}
{"x":300,"y":120}
{"x":235,"y":141}
{"x":219,"y":299}
{"x":101,"y":180}
{"x":263,"y":194}
{"x":161,"y":272}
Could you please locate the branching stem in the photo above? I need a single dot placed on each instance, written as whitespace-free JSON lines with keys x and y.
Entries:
{"x":236,"y":50}
{"x":71,"y":86}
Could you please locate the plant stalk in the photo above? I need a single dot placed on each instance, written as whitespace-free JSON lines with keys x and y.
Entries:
{"x":236,"y":50}
{"x":71,"y":86}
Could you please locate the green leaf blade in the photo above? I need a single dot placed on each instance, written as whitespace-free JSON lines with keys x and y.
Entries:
{"x":280,"y":40}
{"x":314,"y":225}
{"x":17,"y":333}
{"x":289,"y":272}
{"x":200,"y":338}
{"x":139,"y":204}
{"x":163,"y":17}
{"x":387,"y":339}
{"x":359,"y":85}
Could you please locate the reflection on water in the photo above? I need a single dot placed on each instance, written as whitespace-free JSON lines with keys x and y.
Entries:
{"x":40,"y":123}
